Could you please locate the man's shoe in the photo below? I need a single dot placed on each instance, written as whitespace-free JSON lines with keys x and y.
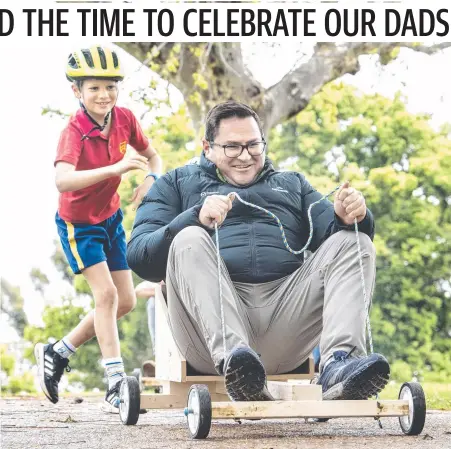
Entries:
{"x":50,"y":369}
{"x":354,"y":378}
{"x":245,"y":377}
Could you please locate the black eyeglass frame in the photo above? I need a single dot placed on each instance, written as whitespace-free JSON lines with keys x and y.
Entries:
{"x":246,"y":146}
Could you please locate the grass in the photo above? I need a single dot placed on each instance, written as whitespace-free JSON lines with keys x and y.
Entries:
{"x":438,"y":396}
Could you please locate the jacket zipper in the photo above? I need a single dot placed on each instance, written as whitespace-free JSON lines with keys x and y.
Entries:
{"x":252,"y":247}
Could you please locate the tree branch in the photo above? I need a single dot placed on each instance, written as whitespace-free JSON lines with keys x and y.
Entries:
{"x":223,"y":67}
{"x":328,"y":63}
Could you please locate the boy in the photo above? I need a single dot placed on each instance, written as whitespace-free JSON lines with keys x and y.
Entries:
{"x":89,"y":164}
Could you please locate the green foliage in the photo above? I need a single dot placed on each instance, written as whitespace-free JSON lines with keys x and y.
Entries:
{"x":402,"y":166}
{"x":7,"y":361}
{"x":401,"y":371}
{"x":20,"y":384}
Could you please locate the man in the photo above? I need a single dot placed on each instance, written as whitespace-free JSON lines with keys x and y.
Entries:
{"x":276,"y":306}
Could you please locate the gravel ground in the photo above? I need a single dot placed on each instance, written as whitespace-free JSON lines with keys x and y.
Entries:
{"x":35,"y":423}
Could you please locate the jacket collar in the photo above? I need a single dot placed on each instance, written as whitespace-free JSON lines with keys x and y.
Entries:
{"x":209,"y":167}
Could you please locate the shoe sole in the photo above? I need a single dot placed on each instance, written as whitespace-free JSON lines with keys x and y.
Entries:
{"x":364,"y":384}
{"x":245,"y":378}
{"x":107,"y":408}
{"x":40,"y":360}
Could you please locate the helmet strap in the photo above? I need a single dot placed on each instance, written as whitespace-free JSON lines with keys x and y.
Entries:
{"x":97,"y":125}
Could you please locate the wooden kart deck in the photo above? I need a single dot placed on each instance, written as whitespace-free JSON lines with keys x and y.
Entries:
{"x":295,"y":396}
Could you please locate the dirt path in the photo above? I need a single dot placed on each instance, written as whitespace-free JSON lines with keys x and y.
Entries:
{"x":34,"y":423}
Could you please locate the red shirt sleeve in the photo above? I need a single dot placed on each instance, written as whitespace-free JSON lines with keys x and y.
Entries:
{"x":69,"y":145}
{"x":138,"y":140}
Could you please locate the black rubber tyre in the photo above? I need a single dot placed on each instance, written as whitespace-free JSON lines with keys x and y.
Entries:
{"x":130,"y":397}
{"x":198,"y":412}
{"x":138,"y":374}
{"x":413,"y":423}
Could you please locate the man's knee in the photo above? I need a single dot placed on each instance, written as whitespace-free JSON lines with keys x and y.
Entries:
{"x":190,"y":237}
{"x":366,"y":245}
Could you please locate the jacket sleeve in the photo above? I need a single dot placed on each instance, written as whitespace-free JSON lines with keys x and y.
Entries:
{"x":325,"y":221}
{"x":158,"y":220}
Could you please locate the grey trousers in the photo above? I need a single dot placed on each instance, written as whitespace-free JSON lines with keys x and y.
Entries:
{"x":282,"y":320}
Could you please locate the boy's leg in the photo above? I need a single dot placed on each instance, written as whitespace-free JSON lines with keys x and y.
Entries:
{"x":115,"y":257}
{"x":105,"y":296}
{"x":84,"y":247}
{"x":125,"y":290}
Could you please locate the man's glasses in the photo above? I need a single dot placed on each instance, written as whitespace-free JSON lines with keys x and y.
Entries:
{"x":235,"y":150}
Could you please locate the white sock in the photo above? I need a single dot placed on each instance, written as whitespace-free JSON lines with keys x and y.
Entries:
{"x":114,"y":369}
{"x":64,"y":348}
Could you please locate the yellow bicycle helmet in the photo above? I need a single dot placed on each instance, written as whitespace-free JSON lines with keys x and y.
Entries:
{"x":94,"y":62}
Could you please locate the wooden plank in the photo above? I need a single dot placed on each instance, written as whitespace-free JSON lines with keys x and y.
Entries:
{"x":182,"y":388}
{"x":220,"y":388}
{"x":203,"y":379}
{"x":151,"y":382}
{"x":286,"y":377}
{"x":157,"y":401}
{"x":170,"y":364}
{"x":275,"y":377}
{"x":173,"y":401}
{"x":285,"y":391}
{"x":309,"y":409}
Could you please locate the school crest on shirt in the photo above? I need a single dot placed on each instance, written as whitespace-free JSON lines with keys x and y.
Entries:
{"x":123,"y":147}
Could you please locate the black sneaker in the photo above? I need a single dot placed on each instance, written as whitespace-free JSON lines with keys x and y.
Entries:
{"x":354,"y":378}
{"x":50,"y":369}
{"x":112,"y":399}
{"x":245,"y":377}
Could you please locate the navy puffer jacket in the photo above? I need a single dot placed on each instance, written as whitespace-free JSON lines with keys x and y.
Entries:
{"x":250,"y":241}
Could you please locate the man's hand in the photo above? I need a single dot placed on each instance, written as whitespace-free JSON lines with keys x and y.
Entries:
{"x":349,"y":204}
{"x":215,"y":209}
{"x":140,"y":192}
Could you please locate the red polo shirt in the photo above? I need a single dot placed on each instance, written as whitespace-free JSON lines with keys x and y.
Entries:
{"x":100,"y":201}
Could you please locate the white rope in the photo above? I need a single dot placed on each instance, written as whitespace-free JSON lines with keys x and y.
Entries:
{"x":309,"y":215}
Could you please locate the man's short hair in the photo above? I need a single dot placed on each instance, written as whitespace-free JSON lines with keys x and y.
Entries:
{"x":224,"y":111}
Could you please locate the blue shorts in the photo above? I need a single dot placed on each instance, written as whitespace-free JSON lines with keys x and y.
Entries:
{"x":85,"y":244}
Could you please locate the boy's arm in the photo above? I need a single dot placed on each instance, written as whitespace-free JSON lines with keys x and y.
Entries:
{"x":155,"y":165}
{"x":68,"y":179}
